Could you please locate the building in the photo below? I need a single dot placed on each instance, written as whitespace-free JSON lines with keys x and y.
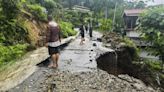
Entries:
{"x":130,"y":18}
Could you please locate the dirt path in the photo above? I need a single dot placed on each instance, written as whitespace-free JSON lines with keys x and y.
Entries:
{"x":78,"y":72}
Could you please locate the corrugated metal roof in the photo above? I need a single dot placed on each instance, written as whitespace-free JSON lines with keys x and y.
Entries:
{"x":133,"y":12}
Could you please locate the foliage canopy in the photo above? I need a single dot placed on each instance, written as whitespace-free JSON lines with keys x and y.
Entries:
{"x":151,"y":23}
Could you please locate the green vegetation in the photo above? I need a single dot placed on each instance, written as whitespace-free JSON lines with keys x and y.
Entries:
{"x":12,"y":32}
{"x":75,"y":17}
{"x":72,"y":16}
{"x":154,"y":65}
{"x":105,"y":25}
{"x":135,"y":5}
{"x":102,"y":10}
{"x":66,"y":29}
{"x":151,"y":23}
{"x":134,"y":51}
{"x":10,"y":8}
{"x":13,"y":35}
{"x":21,"y":21}
{"x":118,"y":42}
{"x":11,"y":53}
{"x":37,"y":11}
{"x":52,"y":7}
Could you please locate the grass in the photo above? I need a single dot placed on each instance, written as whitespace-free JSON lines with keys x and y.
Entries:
{"x":154,"y":65}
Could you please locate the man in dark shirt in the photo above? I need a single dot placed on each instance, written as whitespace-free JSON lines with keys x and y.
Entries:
{"x":82,"y":33}
{"x":90,"y":32}
{"x":53,"y":41}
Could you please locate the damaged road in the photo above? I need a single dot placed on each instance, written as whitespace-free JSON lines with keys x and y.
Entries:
{"x":78,"y":72}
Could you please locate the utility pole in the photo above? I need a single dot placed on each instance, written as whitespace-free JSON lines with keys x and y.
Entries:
{"x":114,"y":16}
{"x":106,"y":12}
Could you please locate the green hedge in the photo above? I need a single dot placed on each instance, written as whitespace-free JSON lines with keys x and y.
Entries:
{"x":105,"y":24}
{"x":12,"y":32}
{"x":66,"y":29}
{"x":11,"y":53}
{"x":38,"y":11}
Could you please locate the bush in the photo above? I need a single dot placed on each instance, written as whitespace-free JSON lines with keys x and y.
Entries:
{"x":75,"y":17}
{"x":66,"y":29}
{"x":12,"y":32}
{"x":10,"y":8}
{"x":105,"y":24}
{"x":38,"y":11}
{"x":154,"y":65}
{"x":10,"y":53}
{"x":50,"y":5}
{"x":151,"y":24}
{"x":134,"y":51}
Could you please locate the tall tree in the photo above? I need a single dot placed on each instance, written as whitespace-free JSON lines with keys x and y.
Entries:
{"x":134,"y":5}
{"x":10,"y":8}
{"x":140,"y":4}
{"x":151,"y":23}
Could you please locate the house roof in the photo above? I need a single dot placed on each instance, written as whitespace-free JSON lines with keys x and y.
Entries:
{"x":133,"y":12}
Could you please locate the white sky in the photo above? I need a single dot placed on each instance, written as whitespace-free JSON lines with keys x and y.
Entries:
{"x":150,"y":1}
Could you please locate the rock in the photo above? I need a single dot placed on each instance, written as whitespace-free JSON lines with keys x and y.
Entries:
{"x":122,"y":44}
{"x":94,"y":81}
{"x":53,"y":85}
{"x":97,"y":80}
{"x":17,"y":87}
{"x":99,"y":39}
{"x":94,"y":44}
{"x":29,"y":86}
{"x":108,"y":45}
{"x":76,"y":90}
{"x":138,"y":86}
{"x":31,"y":80}
{"x":126,"y":78}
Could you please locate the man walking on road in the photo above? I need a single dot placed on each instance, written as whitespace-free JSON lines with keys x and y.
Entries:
{"x":90,"y":29}
{"x":53,"y":41}
{"x":82,"y":33}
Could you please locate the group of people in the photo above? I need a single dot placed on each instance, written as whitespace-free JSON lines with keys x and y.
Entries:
{"x":84,"y":29}
{"x":53,"y":40}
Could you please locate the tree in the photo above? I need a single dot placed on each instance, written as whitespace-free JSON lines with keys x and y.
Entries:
{"x":10,"y":8}
{"x":100,"y":8}
{"x":50,"y":5}
{"x":105,"y":24}
{"x":140,"y":5}
{"x":134,"y":5}
{"x":151,"y":23}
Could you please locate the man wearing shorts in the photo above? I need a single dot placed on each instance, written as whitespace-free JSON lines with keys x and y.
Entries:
{"x":53,"y":41}
{"x":82,"y":34}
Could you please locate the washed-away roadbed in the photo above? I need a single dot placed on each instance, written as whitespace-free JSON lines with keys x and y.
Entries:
{"x":78,"y":72}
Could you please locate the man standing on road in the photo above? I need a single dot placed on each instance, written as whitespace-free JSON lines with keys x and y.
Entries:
{"x":90,"y":29}
{"x":53,"y":41}
{"x":82,"y":33}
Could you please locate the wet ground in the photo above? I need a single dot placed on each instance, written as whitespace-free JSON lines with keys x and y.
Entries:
{"x":50,"y":80}
{"x":78,"y":72}
{"x":76,"y":57}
